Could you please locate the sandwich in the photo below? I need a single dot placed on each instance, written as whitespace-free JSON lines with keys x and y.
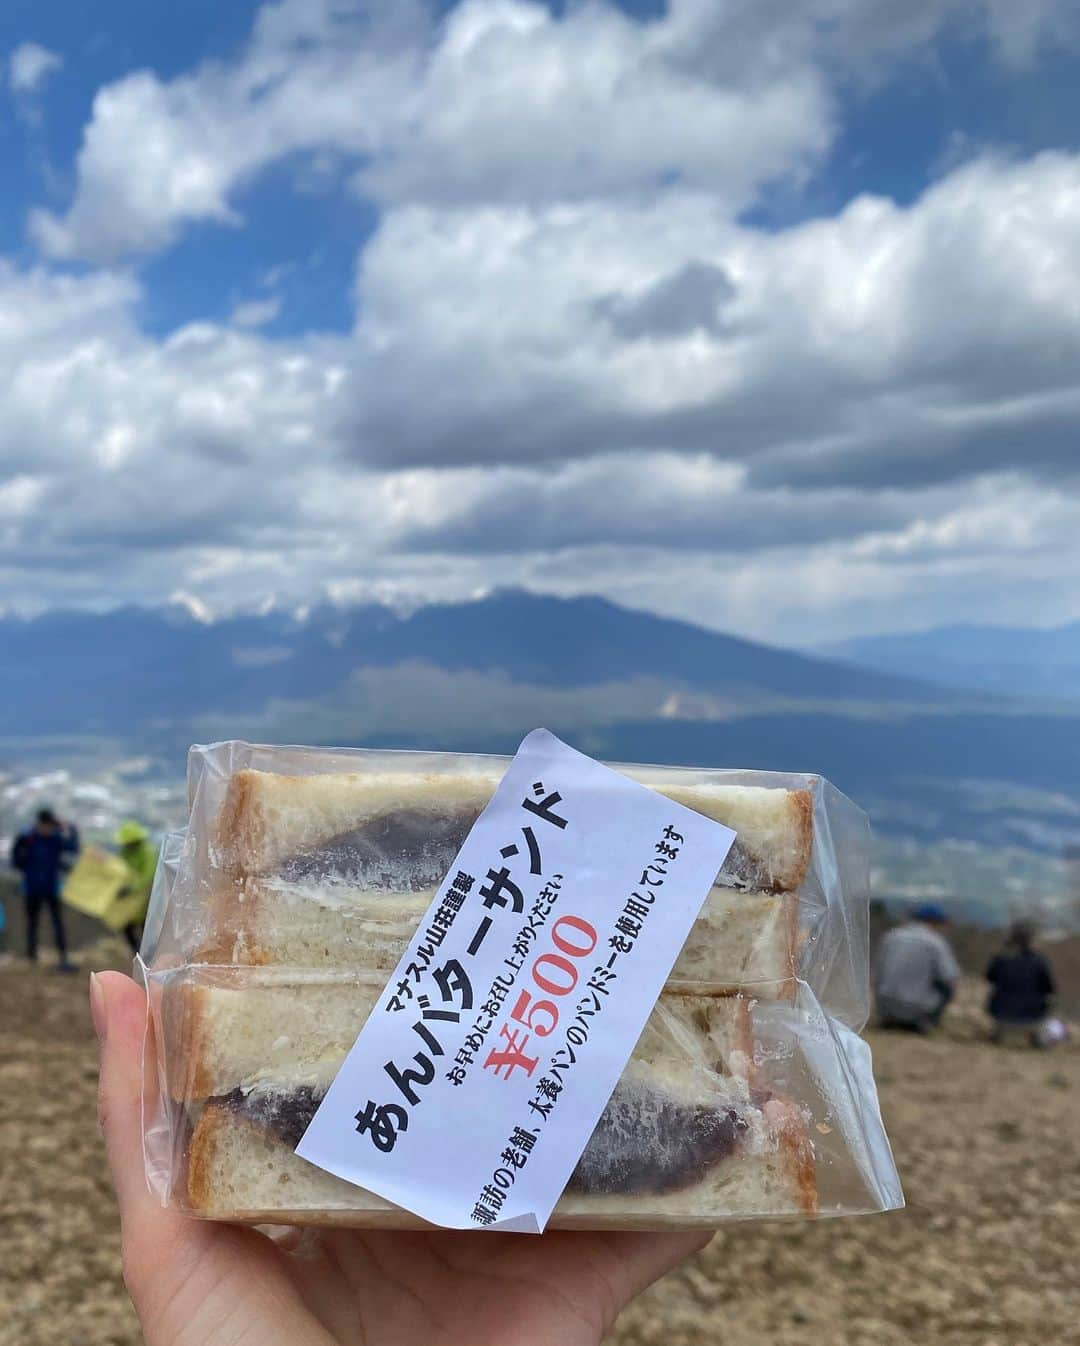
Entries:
{"x":691,"y":1133}
{"x":318,"y":884}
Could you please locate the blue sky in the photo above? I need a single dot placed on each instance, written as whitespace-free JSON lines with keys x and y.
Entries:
{"x":311,"y":233}
{"x":924,"y":114}
{"x":671,"y":302}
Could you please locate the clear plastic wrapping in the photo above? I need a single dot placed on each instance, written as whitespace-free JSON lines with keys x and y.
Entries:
{"x":279,"y":914}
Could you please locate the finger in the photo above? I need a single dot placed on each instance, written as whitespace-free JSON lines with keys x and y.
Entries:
{"x":636,"y":1260}
{"x":622,"y":1264}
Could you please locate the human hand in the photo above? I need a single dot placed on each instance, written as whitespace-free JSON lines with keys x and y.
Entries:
{"x":197,"y":1283}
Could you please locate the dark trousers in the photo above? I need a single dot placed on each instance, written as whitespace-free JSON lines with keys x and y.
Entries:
{"x":34,"y":903}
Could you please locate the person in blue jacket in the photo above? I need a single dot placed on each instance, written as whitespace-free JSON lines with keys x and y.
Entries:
{"x":42,"y":854}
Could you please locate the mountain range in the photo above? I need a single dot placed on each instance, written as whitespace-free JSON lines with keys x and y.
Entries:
{"x":936,"y":765}
{"x":83,"y":672}
{"x":1000,"y":659}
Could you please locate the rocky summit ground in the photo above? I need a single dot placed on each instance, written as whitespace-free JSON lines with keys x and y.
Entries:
{"x":987,"y":1251}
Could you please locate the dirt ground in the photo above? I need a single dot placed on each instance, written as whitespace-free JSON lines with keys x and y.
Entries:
{"x":986,"y":1252}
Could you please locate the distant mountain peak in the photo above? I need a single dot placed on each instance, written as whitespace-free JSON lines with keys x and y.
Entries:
{"x":1041,"y":661}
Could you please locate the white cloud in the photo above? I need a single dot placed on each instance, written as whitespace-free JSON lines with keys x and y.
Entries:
{"x":1020,"y":31}
{"x":819,"y":460}
{"x":30,"y":66}
{"x":256,"y":312}
{"x":498,"y":101}
{"x":883,"y":346}
{"x":681,"y":502}
{"x":573,"y":364}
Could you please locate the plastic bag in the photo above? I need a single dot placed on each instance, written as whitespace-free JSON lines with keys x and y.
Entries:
{"x":278,"y":916}
{"x":1052,"y":1031}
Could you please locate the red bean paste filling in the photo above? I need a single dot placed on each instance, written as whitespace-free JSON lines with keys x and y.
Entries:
{"x":405,"y":851}
{"x":409,"y":850}
{"x":643,"y":1142}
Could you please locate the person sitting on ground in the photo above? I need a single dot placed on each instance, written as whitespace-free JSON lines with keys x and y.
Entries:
{"x":916,"y":974}
{"x":141,"y":859}
{"x":1021,"y":986}
{"x":41,"y":855}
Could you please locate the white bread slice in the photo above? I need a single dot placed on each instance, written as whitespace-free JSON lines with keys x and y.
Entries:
{"x":271,"y":921}
{"x":266,"y":818}
{"x":742,"y":941}
{"x":740,"y":938}
{"x":285,"y":1026}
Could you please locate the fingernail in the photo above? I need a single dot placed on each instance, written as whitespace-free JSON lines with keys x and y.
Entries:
{"x":97,"y":1006}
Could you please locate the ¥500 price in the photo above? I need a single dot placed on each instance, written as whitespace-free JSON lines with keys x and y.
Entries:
{"x":553,"y":973}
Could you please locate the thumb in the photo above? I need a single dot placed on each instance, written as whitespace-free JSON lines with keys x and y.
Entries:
{"x":190,"y":1280}
{"x":157,"y":1243}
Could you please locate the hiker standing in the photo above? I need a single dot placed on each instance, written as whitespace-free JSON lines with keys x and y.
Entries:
{"x":41,"y":854}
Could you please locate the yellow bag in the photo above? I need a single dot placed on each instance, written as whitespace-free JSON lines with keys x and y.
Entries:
{"x":94,"y":885}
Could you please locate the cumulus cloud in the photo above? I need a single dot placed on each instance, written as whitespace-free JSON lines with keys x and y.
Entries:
{"x":30,"y":66}
{"x":774,"y":472}
{"x":500,"y":101}
{"x":680,"y":502}
{"x":1022,"y":31}
{"x":883,"y":346}
{"x":120,"y":448}
{"x":689,"y":299}
{"x":573,"y":364}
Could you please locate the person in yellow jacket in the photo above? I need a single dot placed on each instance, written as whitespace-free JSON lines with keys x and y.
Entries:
{"x":141,"y":859}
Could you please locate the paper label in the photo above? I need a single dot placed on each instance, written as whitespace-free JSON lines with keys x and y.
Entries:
{"x":476,"y":1082}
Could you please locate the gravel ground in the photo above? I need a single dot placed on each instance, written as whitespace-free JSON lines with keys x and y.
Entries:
{"x":986,"y":1252}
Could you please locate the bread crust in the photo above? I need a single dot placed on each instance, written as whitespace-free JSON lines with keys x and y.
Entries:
{"x":184,"y":1029}
{"x":200,"y":1160}
{"x":798,"y":1152}
{"x":235,"y":830}
{"x":231,"y":941}
{"x":802,"y":810}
